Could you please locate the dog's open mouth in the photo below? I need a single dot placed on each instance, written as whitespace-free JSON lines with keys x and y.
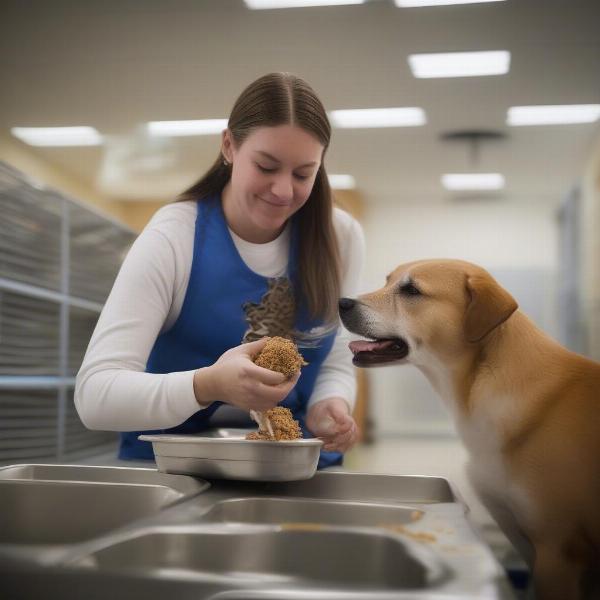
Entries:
{"x":372,"y":353}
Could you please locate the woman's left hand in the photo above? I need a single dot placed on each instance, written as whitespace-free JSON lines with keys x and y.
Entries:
{"x":331,"y":421}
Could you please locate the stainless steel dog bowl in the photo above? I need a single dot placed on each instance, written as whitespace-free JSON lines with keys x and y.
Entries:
{"x":235,"y":457}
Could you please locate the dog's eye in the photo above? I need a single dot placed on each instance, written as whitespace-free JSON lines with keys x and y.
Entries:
{"x":409,"y":289}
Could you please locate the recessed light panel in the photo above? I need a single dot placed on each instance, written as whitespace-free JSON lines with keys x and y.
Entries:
{"x":265,"y":4}
{"x":378,"y":117}
{"x":342,"y":182}
{"x":180,"y":128}
{"x":553,"y":115}
{"x":460,"y":64}
{"x":58,"y":136}
{"x":412,"y":3}
{"x":473,"y":181}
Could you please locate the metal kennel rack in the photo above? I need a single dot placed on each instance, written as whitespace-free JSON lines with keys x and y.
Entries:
{"x":58,"y":261}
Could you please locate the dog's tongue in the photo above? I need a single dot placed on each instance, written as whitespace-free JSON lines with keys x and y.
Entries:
{"x":365,"y":346}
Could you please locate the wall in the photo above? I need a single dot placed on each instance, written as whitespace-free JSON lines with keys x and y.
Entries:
{"x":590,"y":249}
{"x":516,"y":241}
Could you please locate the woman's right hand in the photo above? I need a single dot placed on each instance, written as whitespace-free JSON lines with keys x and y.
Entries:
{"x":236,"y":380}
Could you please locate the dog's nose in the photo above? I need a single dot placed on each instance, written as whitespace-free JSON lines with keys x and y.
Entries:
{"x":346,"y":304}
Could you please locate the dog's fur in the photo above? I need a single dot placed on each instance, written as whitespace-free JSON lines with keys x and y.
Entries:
{"x":527,"y":409}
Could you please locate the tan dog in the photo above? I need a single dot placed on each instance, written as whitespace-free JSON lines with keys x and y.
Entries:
{"x":527,"y":409}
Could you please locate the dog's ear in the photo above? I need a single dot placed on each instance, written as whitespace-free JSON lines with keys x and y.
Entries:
{"x":490,"y":305}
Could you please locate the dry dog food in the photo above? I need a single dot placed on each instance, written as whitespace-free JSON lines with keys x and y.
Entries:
{"x":280,"y":354}
{"x":285,"y":427}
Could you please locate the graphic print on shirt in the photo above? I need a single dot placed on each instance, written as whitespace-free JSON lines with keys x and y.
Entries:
{"x":274,"y":314}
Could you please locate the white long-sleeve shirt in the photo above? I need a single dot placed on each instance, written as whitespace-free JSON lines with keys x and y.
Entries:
{"x":113,"y":391}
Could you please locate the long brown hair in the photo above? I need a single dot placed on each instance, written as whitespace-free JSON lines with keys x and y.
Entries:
{"x":284,"y":99}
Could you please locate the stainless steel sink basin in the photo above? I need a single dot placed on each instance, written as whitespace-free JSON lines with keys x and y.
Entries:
{"x":352,"y":487}
{"x":63,"y":504}
{"x":49,"y":512}
{"x":186,"y":486}
{"x":282,"y":511}
{"x":340,"y":559}
{"x":68,"y":531}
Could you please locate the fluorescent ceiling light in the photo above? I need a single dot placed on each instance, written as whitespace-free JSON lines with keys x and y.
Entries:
{"x":553,"y":115}
{"x":378,"y":117}
{"x":342,"y":182}
{"x":261,"y":4}
{"x":176,"y":128}
{"x":460,"y":64}
{"x":473,"y":181}
{"x":411,"y":3}
{"x":58,"y":136}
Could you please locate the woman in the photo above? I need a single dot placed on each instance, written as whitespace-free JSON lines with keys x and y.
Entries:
{"x":254,"y":248}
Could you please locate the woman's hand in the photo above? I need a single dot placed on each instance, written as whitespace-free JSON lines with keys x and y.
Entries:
{"x":236,"y":380}
{"x":331,"y":421}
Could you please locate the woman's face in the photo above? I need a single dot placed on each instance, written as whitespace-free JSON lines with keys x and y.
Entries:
{"x":273,"y":172}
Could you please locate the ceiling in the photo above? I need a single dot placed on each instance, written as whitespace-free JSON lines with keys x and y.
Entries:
{"x":115,"y":64}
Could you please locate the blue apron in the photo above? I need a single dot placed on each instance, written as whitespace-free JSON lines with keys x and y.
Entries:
{"x":212,"y":320}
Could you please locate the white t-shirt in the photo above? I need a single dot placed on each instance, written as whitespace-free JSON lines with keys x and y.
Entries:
{"x":113,"y":391}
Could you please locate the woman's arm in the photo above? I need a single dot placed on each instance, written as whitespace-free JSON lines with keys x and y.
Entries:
{"x":329,"y":413}
{"x":112,"y":390}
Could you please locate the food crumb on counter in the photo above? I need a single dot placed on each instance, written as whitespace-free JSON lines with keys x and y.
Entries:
{"x":303,"y":526}
{"x":419,"y":536}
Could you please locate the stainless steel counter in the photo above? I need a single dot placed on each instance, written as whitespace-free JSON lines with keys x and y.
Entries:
{"x":109,"y":532}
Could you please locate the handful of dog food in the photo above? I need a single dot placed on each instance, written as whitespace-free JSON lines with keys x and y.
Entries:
{"x":281,"y":355}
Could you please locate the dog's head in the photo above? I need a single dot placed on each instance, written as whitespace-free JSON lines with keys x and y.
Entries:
{"x":438,"y":307}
